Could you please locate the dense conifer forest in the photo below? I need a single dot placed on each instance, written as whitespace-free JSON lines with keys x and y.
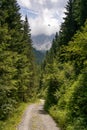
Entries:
{"x":64,"y":71}
{"x":17,"y":66}
{"x":63,"y":77}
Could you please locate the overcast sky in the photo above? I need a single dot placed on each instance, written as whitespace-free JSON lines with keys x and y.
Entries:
{"x":45,"y":16}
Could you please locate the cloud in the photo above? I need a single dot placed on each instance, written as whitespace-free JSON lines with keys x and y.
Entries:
{"x":44,"y":24}
{"x":45,"y":16}
{"x":25,"y":3}
{"x":41,"y":1}
{"x":54,"y":1}
{"x":47,"y":27}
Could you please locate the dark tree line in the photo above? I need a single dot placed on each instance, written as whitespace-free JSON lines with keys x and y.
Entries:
{"x":17,"y":69}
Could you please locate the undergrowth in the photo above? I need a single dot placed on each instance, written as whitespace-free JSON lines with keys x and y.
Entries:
{"x":12,"y":122}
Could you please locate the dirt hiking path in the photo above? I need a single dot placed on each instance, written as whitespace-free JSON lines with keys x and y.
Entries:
{"x":35,"y":118}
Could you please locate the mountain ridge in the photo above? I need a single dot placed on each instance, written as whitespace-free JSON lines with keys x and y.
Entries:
{"x":42,"y":42}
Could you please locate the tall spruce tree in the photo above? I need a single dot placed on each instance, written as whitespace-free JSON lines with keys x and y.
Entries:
{"x":68,"y":27}
{"x":8,"y":59}
{"x":79,"y":12}
{"x":30,"y":54}
{"x":15,"y":58}
{"x":27,"y":70}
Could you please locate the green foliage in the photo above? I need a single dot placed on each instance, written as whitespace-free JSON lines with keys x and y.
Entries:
{"x":78,"y":98}
{"x":17,"y":69}
{"x":58,"y":115}
{"x":58,"y":75}
{"x":79,"y":11}
{"x":39,"y":56}
{"x":65,"y":71}
{"x":12,"y":122}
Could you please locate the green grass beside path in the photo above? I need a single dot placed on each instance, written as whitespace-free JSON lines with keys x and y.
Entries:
{"x":12,"y":122}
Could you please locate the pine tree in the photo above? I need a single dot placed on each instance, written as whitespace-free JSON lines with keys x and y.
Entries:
{"x":10,"y":32}
{"x":30,"y":54}
{"x":26,"y":68}
{"x":79,"y":12}
{"x":17,"y":74}
{"x":68,"y":27}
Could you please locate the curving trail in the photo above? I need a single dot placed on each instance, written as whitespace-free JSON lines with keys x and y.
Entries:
{"x":35,"y":118}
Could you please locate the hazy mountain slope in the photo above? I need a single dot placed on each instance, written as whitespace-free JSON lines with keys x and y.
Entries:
{"x":39,"y":56}
{"x":42,"y":42}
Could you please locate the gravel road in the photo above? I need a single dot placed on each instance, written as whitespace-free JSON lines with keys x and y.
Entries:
{"x":35,"y":118}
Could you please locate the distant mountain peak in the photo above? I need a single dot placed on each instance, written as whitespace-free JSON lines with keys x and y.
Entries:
{"x":42,"y":42}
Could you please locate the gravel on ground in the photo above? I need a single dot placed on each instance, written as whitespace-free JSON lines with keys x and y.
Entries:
{"x":35,"y":118}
